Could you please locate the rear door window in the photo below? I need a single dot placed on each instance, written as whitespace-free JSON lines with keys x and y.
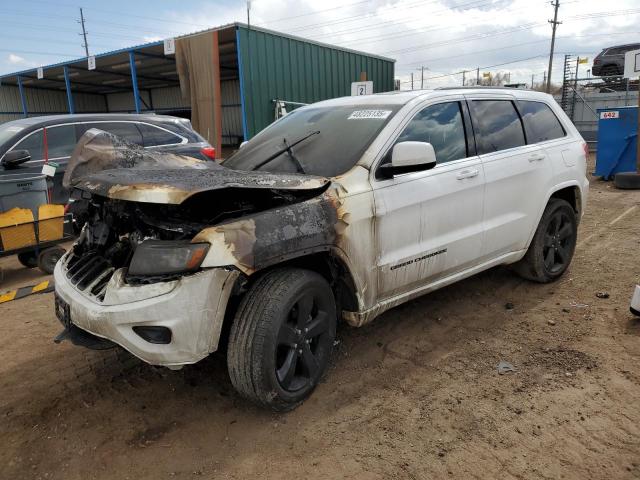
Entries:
{"x":442,"y":126}
{"x":540,"y":123}
{"x":34,"y":143}
{"x":497,"y":125}
{"x":126,"y":130}
{"x":154,"y":136}
{"x":61,"y":141}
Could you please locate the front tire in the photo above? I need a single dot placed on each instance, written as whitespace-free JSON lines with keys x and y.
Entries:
{"x":282,"y":337}
{"x":553,"y":244}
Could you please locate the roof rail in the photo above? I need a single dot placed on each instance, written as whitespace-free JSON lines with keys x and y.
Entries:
{"x":481,"y":87}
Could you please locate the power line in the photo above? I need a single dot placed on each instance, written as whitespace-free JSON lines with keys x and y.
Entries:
{"x":431,"y":60}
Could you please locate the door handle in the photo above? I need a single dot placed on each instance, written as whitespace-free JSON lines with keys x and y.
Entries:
{"x":468,"y":174}
{"x":536,"y":158}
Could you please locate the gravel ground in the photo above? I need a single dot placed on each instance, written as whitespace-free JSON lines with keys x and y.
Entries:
{"x":415,"y":394}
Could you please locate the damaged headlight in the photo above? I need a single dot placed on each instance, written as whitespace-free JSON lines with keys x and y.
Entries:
{"x":160,"y":257}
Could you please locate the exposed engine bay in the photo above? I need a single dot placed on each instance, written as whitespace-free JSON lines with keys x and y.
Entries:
{"x":116,"y":228}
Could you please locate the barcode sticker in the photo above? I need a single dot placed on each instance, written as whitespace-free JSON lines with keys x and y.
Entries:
{"x":369,"y":114}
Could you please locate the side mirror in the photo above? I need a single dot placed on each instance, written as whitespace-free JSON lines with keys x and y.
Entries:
{"x":15,"y":157}
{"x":407,"y":157}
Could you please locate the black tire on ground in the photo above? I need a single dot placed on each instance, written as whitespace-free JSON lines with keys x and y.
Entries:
{"x":553,"y":244}
{"x":282,"y":337}
{"x":49,"y":257}
{"x":627,"y":180}
{"x":28,"y":259}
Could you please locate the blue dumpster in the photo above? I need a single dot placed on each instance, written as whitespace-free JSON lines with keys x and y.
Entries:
{"x":617,"y":137}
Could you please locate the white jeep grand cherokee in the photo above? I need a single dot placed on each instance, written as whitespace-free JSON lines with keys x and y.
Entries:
{"x":340,"y":210}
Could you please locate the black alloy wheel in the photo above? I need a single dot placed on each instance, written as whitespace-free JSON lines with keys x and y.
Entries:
{"x":558,"y":242}
{"x":282,"y":337}
{"x":304,"y":339}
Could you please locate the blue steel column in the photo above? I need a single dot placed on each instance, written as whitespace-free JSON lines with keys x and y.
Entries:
{"x":23,"y":99}
{"x":134,"y":81}
{"x":67,"y":83}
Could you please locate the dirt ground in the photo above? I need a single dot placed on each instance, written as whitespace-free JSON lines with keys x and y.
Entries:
{"x":416,"y":394}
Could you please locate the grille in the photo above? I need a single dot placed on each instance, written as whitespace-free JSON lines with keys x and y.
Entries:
{"x":90,"y":274}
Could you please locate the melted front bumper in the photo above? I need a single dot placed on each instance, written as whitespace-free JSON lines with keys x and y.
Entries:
{"x":192,"y":307}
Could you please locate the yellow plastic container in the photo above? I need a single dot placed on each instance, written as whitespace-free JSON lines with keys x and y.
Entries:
{"x":17,"y":228}
{"x":50,"y":222}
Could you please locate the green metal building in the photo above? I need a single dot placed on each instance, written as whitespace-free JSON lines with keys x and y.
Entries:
{"x":277,"y":66}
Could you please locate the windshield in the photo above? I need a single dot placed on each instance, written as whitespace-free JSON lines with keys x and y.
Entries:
{"x":333,"y":140}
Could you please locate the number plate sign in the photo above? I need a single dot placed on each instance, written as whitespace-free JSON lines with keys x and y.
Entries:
{"x":361,"y":88}
{"x":610,"y":114}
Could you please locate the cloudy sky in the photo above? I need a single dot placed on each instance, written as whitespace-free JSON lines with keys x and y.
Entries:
{"x":444,"y":36}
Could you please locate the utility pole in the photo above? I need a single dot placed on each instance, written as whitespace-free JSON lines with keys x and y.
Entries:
{"x":84,"y":33}
{"x":478,"y":76}
{"x":532,"y":76}
{"x":464,"y":72}
{"x":248,"y":14}
{"x":554,"y":24}
{"x":422,"y":76}
{"x":411,"y":80}
{"x":544,"y":78}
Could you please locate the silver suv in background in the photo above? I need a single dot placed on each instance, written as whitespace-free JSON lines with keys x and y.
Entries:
{"x":28,"y":143}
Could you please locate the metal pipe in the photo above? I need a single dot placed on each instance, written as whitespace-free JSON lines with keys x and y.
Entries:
{"x":134,"y":80}
{"x":67,"y":84}
{"x":23,"y":99}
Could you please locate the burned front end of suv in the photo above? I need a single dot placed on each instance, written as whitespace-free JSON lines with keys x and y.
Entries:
{"x":169,"y":239}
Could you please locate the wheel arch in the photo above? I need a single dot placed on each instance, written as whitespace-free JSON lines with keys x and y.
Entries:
{"x":570,"y":192}
{"x":332,"y":264}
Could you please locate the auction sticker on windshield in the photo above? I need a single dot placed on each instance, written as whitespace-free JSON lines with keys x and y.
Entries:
{"x":368,"y":114}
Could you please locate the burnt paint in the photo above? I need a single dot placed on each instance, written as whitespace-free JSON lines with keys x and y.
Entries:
{"x":260,"y":240}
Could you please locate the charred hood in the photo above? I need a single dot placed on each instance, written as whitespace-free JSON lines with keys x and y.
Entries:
{"x":105,"y":165}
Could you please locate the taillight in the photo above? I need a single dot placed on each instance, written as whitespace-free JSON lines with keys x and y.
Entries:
{"x":585,"y":148}
{"x":596,"y":61}
{"x":209,"y":152}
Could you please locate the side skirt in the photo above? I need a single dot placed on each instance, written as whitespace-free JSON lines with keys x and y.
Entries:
{"x":358,"y":319}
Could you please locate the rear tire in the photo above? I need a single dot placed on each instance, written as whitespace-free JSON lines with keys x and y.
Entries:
{"x":282,"y":338}
{"x":553,"y":244}
{"x":49,"y":257}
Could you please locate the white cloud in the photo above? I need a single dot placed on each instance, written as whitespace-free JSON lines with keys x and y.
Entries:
{"x":152,"y":38}
{"x":444,"y":35}
{"x":16,"y":59}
